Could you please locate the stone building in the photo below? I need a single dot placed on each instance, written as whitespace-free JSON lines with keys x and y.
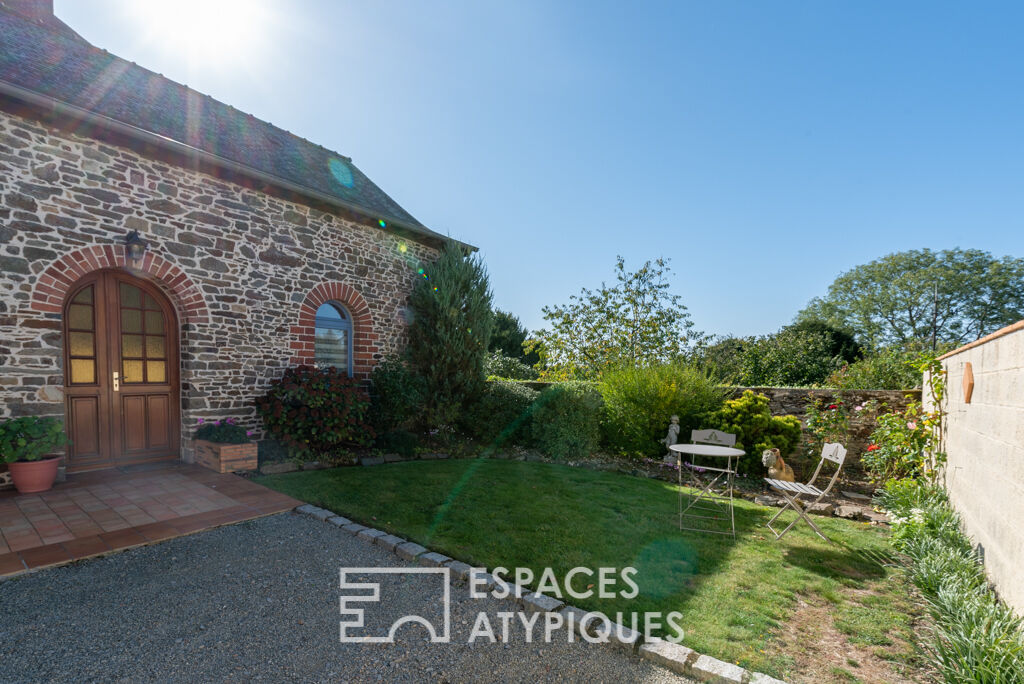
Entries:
{"x":164,"y":255}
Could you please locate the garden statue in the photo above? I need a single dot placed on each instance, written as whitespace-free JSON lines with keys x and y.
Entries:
{"x":777,"y":468}
{"x":672,"y":437}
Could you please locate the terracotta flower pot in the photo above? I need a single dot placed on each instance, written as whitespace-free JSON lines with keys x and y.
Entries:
{"x":34,"y":476}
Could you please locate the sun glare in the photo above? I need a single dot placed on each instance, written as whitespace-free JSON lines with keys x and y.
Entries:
{"x":207,"y":32}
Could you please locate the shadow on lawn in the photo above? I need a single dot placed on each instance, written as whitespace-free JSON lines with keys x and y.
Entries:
{"x":840,"y":562}
{"x":675,"y":562}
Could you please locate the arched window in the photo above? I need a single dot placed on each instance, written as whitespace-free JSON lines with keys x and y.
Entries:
{"x":333,"y":337}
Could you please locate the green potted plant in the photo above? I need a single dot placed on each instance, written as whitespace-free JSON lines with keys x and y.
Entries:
{"x":27,"y":445}
{"x":225,"y":446}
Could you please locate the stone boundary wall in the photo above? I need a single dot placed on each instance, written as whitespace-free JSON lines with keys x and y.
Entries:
{"x":984,"y":442}
{"x":793,"y":401}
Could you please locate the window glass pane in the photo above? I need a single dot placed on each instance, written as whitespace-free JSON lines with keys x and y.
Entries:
{"x":150,"y":303}
{"x":81,"y":344}
{"x":83,"y":371}
{"x":154,"y":347}
{"x":80,"y":317}
{"x":84,"y":297}
{"x":331,"y":348}
{"x":156,"y":371}
{"x":331,"y":316}
{"x":154,"y":322}
{"x":131,"y":371}
{"x":131,"y":296}
{"x":131,"y":345}
{"x":131,"y":321}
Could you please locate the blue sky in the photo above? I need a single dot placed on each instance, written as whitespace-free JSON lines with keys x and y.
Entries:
{"x":763,"y":146}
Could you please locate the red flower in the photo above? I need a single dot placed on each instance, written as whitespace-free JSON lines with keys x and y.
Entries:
{"x":872,"y":447}
{"x":833,"y":407}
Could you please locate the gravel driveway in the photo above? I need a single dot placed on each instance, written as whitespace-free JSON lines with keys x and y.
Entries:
{"x":259,"y":600}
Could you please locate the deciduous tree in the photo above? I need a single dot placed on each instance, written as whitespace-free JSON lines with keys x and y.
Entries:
{"x":635,"y":322}
{"x":922,"y":297}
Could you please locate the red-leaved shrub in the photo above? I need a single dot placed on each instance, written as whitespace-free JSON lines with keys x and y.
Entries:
{"x":316,"y":410}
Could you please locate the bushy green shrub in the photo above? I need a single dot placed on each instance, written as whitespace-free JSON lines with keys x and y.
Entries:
{"x":501,"y":415}
{"x":396,"y":395}
{"x":224,"y":431}
{"x":400,"y":442}
{"x":315,"y":411}
{"x":886,"y":369}
{"x":566,"y":420}
{"x":508,"y":368}
{"x":638,"y":403}
{"x":449,"y":334}
{"x":974,"y":637}
{"x":756,"y":429}
{"x":30,"y":438}
{"x":901,"y":444}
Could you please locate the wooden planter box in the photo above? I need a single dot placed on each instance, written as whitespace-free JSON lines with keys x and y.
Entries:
{"x":227,"y":458}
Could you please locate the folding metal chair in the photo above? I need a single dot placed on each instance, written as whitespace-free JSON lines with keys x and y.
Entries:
{"x":792,"y":491}
{"x":706,"y":491}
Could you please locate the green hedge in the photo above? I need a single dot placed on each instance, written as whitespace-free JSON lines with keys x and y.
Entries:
{"x":638,"y":403}
{"x":566,"y":420}
{"x":501,"y":415}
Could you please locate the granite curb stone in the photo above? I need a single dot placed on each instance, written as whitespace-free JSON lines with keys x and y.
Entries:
{"x":370,"y":534}
{"x":540,"y":603}
{"x":713,"y":670}
{"x":389,"y":541}
{"x":409,"y":550}
{"x":460,"y":570}
{"x":432,"y":559}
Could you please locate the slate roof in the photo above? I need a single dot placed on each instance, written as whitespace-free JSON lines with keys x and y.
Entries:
{"x":59,"y":64}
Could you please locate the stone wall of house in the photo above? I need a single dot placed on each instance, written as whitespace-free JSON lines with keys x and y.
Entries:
{"x":984,"y":443}
{"x":240,"y":266}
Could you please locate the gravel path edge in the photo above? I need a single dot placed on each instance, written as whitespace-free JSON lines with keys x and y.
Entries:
{"x":674,"y":657}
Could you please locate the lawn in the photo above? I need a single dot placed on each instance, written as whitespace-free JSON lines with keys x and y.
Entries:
{"x":738,"y":596}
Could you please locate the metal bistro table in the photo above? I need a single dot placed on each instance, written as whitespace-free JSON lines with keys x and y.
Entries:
{"x":719,"y":506}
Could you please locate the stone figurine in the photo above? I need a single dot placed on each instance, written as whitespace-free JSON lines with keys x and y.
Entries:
{"x":672,"y":437}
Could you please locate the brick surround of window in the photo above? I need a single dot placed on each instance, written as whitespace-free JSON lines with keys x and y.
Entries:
{"x":364,"y":339}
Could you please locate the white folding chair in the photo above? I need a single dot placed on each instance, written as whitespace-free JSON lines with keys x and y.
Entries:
{"x":792,"y":491}
{"x":706,"y":492}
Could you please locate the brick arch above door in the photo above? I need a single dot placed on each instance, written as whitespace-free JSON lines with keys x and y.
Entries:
{"x":53,"y":284}
{"x":364,"y":339}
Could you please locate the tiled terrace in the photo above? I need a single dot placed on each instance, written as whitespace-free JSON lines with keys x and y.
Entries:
{"x":103,"y":511}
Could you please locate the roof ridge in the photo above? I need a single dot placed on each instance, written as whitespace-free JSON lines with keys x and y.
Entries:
{"x":69,"y":70}
{"x":87,"y":45}
{"x":56,"y":26}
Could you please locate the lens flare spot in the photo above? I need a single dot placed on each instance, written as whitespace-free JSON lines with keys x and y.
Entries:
{"x":665,"y":567}
{"x":402,"y":247}
{"x":382,"y":223}
{"x":340,"y":172}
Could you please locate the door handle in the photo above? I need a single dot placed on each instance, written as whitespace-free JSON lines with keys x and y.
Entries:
{"x":117,"y":384}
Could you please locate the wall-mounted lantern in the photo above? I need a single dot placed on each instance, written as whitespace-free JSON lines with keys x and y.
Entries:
{"x":135,"y":246}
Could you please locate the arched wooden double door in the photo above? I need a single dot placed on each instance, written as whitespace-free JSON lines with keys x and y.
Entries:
{"x":120,"y":372}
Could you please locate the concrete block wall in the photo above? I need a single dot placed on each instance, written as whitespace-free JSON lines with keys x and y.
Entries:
{"x":984,"y":440}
